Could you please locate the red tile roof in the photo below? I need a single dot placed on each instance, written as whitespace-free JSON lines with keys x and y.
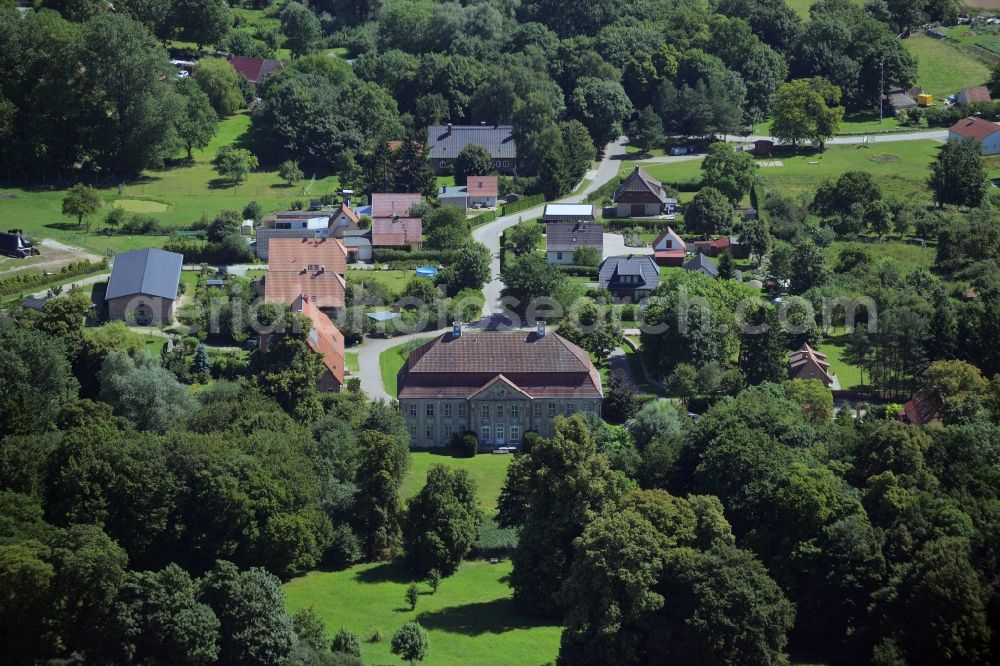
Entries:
{"x":346,"y":211}
{"x":483,"y":186}
{"x":460,"y":367}
{"x":387,"y":205}
{"x":976,"y":94}
{"x":974,"y":128}
{"x":392,"y":233}
{"x":254,"y":69}
{"x":324,"y":338}
{"x":919,"y":411}
{"x":310,"y":267}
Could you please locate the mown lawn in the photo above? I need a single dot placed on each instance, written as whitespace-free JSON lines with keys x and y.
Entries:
{"x":833,"y":346}
{"x":900,"y":168}
{"x":351,"y":361}
{"x":943,"y":69}
{"x":487,"y":470}
{"x":391,"y":361}
{"x":394,"y":281}
{"x":187,"y":190}
{"x":470,"y":620}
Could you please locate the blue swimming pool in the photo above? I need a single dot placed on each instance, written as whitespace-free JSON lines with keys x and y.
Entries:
{"x":426,"y":271}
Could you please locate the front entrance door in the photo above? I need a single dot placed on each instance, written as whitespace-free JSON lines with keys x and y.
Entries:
{"x":638,"y":210}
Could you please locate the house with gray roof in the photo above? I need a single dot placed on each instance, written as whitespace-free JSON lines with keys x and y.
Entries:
{"x":358,"y":243}
{"x":563,"y":239}
{"x":143,"y":286}
{"x":447,"y":141}
{"x":702,"y":264}
{"x":632,"y":277}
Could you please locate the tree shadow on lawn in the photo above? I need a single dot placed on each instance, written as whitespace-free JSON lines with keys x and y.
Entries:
{"x":387,"y":572}
{"x":221,"y":184}
{"x":486,"y":617}
{"x":65,"y":226}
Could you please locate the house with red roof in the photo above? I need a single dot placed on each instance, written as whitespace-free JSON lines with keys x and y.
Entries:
{"x":324,"y":339}
{"x":497,"y":385}
{"x":254,"y":70}
{"x":309,"y":268}
{"x":919,"y":411}
{"x":392,"y":224}
{"x":984,"y":132}
{"x":478,"y":192}
{"x":345,"y":219}
{"x":669,"y":249}
{"x":974,"y":95}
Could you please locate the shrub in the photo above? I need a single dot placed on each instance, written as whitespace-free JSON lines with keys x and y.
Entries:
{"x":374,"y":635}
{"x":528,"y":440}
{"x":467,"y":444}
{"x":434,"y":579}
{"x":494,"y":541}
{"x":347,"y":642}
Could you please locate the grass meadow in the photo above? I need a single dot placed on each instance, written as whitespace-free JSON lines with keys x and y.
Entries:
{"x":470,"y":620}
{"x":901,"y":168}
{"x":176,"y":196}
{"x":942,"y":68}
{"x":487,"y":470}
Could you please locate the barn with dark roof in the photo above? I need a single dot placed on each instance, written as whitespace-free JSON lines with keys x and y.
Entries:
{"x":143,"y":286}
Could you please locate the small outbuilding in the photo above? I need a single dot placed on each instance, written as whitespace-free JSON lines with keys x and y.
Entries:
{"x":568,"y":213}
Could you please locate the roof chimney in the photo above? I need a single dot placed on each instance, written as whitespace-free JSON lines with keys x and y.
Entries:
{"x":347,"y":197}
{"x":482,"y":123}
{"x":456,"y":329}
{"x":449,"y":129}
{"x":540,"y":328}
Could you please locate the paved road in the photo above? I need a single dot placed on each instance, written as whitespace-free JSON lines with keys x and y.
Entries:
{"x":489,"y":234}
{"x":369,"y":370}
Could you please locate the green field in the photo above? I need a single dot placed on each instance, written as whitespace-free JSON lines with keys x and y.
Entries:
{"x":907,"y":255}
{"x":470,"y":620}
{"x":487,"y":470}
{"x":394,"y":281}
{"x":833,"y":347}
{"x":901,"y":168}
{"x":351,"y":361}
{"x":391,"y":362}
{"x":943,"y":69}
{"x":176,"y":196}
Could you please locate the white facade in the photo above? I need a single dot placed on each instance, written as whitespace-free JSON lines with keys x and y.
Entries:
{"x":310,"y":223}
{"x":990,"y":144}
{"x":559,"y":257}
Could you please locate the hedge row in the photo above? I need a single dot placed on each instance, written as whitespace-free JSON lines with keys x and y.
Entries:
{"x":483,"y":218}
{"x":603,"y":192}
{"x":23,"y":281}
{"x":385,"y":255}
{"x":623,"y":223}
{"x":579,"y":271}
{"x":523,"y":204}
